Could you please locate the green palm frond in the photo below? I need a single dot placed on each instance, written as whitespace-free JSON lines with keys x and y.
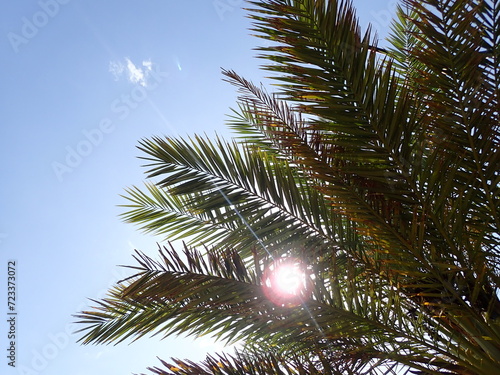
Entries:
{"x":318,"y":47}
{"x":380,"y":172}
{"x":164,"y":214}
{"x":222,"y":193}
{"x":233,"y":365}
{"x":461,"y":108}
{"x":363,"y":120}
{"x":218,"y":295}
{"x":404,"y":42}
{"x":313,"y":154}
{"x":489,"y":21}
{"x":395,"y":133}
{"x":332,"y":70}
{"x":270,"y":364}
{"x":460,"y":116}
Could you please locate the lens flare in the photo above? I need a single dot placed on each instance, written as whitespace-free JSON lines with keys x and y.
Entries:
{"x":287,"y":282}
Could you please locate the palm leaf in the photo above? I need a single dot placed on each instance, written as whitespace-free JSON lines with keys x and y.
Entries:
{"x":220,"y":193}
{"x":268,"y":364}
{"x":380,"y":172}
{"x":366,"y":137}
{"x":404,"y":42}
{"x":219,"y":296}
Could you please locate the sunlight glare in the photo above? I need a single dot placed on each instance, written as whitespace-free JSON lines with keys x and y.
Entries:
{"x":287,"y":283}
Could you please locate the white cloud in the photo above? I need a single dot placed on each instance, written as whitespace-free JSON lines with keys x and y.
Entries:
{"x":116,"y":68}
{"x":147,"y":64}
{"x":136,"y":74}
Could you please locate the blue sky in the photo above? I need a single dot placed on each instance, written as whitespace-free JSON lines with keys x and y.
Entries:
{"x":81,"y":83}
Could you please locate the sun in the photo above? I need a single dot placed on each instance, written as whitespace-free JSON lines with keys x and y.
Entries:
{"x":287,"y":282}
{"x":289,"y":279}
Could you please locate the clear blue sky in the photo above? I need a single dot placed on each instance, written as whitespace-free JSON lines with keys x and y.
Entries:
{"x":81,"y":82}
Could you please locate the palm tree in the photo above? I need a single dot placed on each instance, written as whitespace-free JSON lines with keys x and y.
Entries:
{"x":373,"y":171}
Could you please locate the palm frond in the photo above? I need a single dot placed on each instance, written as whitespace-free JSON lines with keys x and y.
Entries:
{"x":269,"y":364}
{"x":368,"y":139}
{"x":313,"y":154}
{"x":380,"y":172}
{"x":460,"y":117}
{"x":321,"y":52}
{"x":220,"y":192}
{"x":403,"y":41}
{"x":218,"y":295}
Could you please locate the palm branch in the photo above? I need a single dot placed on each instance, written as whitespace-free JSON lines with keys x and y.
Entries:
{"x":267,"y":364}
{"x":222,"y":194}
{"x":380,"y":171}
{"x":431,"y":204}
{"x":216,"y":294}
